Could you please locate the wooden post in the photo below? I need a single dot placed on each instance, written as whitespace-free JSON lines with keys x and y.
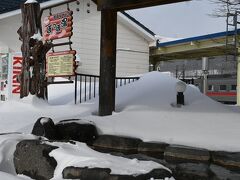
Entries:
{"x":32,"y":77}
{"x":107,"y":62}
{"x":30,"y":13}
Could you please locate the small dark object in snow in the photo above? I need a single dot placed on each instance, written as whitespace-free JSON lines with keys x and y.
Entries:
{"x":44,"y":126}
{"x":82,"y":132}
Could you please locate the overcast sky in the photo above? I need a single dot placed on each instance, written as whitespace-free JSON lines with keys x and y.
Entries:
{"x":185,"y":19}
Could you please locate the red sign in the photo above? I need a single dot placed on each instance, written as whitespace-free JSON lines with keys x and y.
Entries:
{"x":17,"y":66}
{"x":60,"y":64}
{"x":58,"y":26}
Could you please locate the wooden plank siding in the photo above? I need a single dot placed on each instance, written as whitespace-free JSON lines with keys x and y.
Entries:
{"x":86,"y":40}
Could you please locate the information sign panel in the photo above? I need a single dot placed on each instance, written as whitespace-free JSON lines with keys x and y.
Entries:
{"x":60,"y":64}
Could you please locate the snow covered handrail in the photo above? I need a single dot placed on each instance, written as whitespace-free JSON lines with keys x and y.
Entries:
{"x":87,"y":86}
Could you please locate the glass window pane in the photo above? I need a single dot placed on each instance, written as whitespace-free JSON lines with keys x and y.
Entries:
{"x":223,"y":87}
{"x":233,"y":87}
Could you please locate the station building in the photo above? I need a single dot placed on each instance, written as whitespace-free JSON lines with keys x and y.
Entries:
{"x":133,"y":38}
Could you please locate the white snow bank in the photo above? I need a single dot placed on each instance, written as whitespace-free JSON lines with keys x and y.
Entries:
{"x":20,"y":115}
{"x":143,"y":110}
{"x":80,"y":155}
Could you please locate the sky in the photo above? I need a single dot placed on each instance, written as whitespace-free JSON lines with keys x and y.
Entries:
{"x":181,"y":20}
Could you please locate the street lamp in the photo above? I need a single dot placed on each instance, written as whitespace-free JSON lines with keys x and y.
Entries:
{"x":180,"y":88}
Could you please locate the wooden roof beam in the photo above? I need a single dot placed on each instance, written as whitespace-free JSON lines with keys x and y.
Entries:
{"x":121,"y":5}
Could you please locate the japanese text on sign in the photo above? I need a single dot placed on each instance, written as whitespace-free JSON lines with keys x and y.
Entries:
{"x":58,"y":26}
{"x":60,"y":64}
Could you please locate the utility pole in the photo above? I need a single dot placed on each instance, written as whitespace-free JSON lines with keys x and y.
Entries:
{"x":238,"y":78}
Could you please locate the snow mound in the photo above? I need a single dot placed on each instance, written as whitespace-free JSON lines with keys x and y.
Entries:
{"x":157,"y":90}
{"x":145,"y":111}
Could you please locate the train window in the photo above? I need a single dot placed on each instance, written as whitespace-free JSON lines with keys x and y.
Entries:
{"x":223,"y":88}
{"x":233,"y":87}
{"x":210,"y":88}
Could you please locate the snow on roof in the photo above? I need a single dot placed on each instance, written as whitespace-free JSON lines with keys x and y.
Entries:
{"x":8,"y":6}
{"x":12,"y":8}
{"x":30,"y":1}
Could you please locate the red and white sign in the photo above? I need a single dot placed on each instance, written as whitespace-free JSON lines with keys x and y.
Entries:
{"x":17,"y":66}
{"x":58,"y":26}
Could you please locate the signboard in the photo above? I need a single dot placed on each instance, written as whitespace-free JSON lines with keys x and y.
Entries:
{"x":16,"y":68}
{"x":3,"y":76}
{"x":58,"y":26}
{"x":60,"y":64}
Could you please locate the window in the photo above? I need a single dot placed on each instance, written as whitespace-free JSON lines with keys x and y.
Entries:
{"x":233,"y":87}
{"x":223,"y":88}
{"x":210,"y":87}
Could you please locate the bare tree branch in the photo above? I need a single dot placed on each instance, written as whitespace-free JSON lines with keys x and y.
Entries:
{"x":225,"y":7}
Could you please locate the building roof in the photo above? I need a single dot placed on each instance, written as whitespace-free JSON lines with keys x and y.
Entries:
{"x":137,"y":22}
{"x":198,"y":38}
{"x":6,"y":7}
{"x":11,"y":5}
{"x":196,"y":47}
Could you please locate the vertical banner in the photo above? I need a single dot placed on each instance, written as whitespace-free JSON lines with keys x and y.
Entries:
{"x":16,"y":70}
{"x":3,"y":76}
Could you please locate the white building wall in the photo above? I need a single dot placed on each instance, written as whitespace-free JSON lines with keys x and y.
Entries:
{"x":132,"y":49}
{"x":132,"y":52}
{"x":8,"y":32}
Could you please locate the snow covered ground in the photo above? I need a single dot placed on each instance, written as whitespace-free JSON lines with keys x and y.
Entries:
{"x":144,"y":109}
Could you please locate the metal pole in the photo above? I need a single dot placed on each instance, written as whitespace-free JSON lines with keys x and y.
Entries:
{"x":176,"y":73}
{"x":238,"y":78}
{"x":205,"y":73}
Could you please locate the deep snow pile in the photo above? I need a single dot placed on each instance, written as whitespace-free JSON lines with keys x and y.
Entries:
{"x":143,"y":110}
